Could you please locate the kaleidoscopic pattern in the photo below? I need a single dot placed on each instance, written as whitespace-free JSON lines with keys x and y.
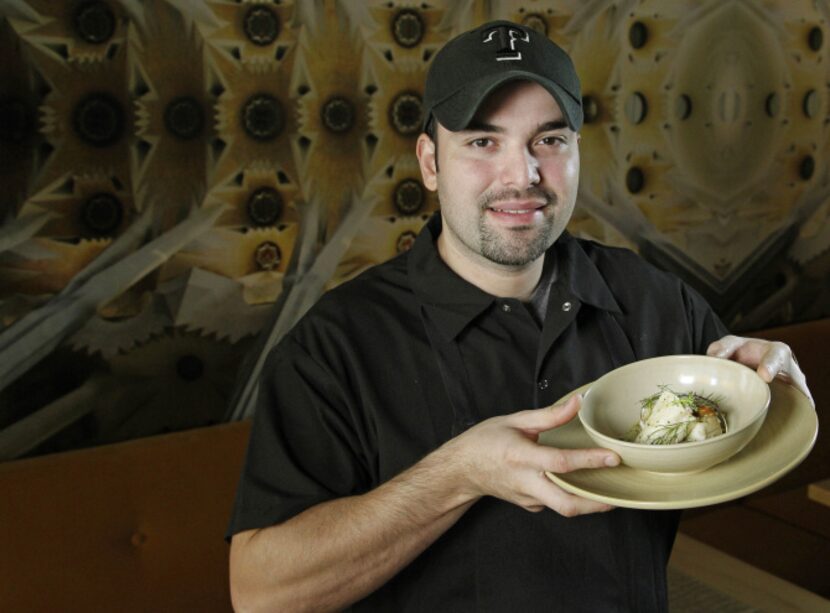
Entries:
{"x":182,"y":180}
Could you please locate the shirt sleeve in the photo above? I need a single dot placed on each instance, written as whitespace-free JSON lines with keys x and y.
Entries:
{"x":304,"y":448}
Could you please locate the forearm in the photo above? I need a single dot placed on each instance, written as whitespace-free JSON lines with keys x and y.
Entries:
{"x":340,"y":551}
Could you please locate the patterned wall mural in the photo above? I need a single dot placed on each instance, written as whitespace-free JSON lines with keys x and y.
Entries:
{"x":181,"y":179}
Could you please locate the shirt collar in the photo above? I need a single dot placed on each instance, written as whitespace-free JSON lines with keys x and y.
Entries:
{"x":451,"y":302}
{"x":581,"y":275}
{"x":454,"y":303}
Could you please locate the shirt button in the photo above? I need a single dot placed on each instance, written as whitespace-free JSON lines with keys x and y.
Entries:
{"x":505,"y":308}
{"x":566,"y":306}
{"x":543,"y":384}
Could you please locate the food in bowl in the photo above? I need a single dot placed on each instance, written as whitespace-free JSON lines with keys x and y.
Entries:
{"x":613,"y":403}
{"x":668,"y":417}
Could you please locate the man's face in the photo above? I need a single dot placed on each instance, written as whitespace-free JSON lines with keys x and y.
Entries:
{"x":507,"y":184}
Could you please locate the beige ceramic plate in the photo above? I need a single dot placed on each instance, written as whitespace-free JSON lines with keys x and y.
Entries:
{"x":787,"y":436}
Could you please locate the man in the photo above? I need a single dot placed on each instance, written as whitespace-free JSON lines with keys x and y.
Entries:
{"x":390,"y":466}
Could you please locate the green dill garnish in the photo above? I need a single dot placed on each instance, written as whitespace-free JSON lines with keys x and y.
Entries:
{"x":699,"y":405}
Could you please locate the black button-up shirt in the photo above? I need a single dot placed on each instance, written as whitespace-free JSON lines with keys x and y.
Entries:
{"x":387,"y":367}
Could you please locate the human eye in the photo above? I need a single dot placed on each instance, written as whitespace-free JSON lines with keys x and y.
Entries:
{"x":481,"y":142}
{"x":552,"y":140}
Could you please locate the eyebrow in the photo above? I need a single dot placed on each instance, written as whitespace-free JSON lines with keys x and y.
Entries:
{"x":558,"y":124}
{"x":481,"y":126}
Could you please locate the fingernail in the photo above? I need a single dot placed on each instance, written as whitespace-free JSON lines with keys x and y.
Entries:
{"x":611,"y":460}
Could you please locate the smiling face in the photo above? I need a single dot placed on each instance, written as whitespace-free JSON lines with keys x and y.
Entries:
{"x":507,"y":184}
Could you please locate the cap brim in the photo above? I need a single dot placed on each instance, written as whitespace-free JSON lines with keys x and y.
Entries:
{"x":456,"y":111}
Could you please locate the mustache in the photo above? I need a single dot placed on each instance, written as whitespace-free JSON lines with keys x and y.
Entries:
{"x":533,"y":192}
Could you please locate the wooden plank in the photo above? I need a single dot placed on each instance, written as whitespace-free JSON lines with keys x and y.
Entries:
{"x":795,"y":508}
{"x":766,"y":542}
{"x":745,"y":583}
{"x":820,"y":492}
{"x":134,"y":526}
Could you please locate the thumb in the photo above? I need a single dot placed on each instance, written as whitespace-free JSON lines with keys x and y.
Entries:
{"x":538,"y":420}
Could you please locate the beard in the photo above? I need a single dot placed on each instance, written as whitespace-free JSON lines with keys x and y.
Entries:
{"x":523,"y":244}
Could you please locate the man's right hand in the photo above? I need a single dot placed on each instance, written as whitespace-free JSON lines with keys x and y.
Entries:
{"x":503,"y":458}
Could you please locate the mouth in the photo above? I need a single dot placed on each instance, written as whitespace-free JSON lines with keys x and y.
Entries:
{"x":518,"y":212}
{"x":515,"y":211}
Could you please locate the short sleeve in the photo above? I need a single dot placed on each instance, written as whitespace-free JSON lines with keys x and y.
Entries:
{"x":304,"y":447}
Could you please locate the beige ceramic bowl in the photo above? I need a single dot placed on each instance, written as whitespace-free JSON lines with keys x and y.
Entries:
{"x":611,"y":407}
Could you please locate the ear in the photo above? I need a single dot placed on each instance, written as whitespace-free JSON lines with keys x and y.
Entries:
{"x":425,"y":150}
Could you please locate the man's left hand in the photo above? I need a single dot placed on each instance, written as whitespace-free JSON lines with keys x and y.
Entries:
{"x":771,"y":359}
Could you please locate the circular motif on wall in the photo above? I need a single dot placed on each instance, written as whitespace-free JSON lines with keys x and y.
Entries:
{"x":262,"y":117}
{"x":184,"y":117}
{"x":261,"y":25}
{"x":590,"y":108}
{"x":807,"y":167}
{"x":405,"y":241}
{"x":407,"y":28}
{"x":815,"y":38}
{"x":636,"y":108}
{"x":338,"y":114}
{"x":408,"y":197}
{"x":406,"y":114}
{"x":638,"y":35}
{"x":267,"y":256}
{"x":264,"y":206}
{"x":190,"y":367}
{"x":98,"y":119}
{"x":94,"y":22}
{"x":102,"y":214}
{"x":534,"y":21}
{"x":635,"y":180}
{"x":683,"y":107}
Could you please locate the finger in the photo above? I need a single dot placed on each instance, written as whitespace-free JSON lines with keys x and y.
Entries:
{"x":774,"y":361}
{"x":799,"y":381}
{"x":780,"y":362}
{"x":538,"y":420}
{"x":725,"y":347}
{"x":565,"y":503}
{"x":771,"y":359}
{"x":568,"y":460}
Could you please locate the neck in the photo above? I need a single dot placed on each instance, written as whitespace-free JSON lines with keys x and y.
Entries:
{"x":495,"y":279}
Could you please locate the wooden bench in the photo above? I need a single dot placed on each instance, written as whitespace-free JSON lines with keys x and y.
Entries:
{"x":135,"y":526}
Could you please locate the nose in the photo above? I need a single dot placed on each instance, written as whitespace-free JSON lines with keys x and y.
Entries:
{"x":520,"y":168}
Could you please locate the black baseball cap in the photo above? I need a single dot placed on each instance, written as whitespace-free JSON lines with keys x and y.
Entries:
{"x":474,"y":64}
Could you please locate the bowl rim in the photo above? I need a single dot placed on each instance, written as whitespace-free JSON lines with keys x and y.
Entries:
{"x":685,"y":444}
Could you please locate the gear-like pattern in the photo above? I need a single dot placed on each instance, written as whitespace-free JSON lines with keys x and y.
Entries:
{"x":717,"y":131}
{"x":253,"y":153}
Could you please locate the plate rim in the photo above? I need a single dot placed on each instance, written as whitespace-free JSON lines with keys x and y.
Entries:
{"x":692,"y":501}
